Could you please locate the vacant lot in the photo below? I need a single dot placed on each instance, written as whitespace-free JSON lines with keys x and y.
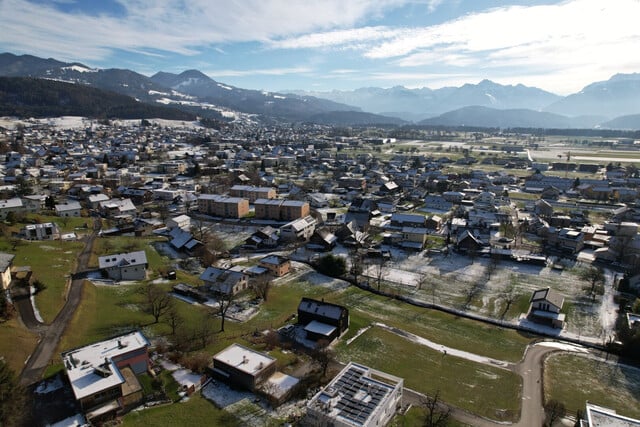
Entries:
{"x":573,"y":380}
{"x":427,"y":371}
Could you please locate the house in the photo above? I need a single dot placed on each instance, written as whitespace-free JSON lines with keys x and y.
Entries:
{"x":598,"y":416}
{"x":349,"y":235}
{"x":6,"y":260}
{"x":223,"y":206}
{"x":358,"y":396}
{"x":184,"y":241}
{"x":264,"y":238}
{"x":242,"y":367}
{"x":94,"y":200}
{"x":44,"y":231}
{"x":468,"y":243}
{"x":543,"y":208}
{"x":34,"y":203}
{"x":322,"y":320}
{"x":14,"y":205}
{"x":298,"y":229}
{"x":400,"y":220}
{"x":103,"y":375}
{"x":224,"y":281}
{"x":545,"y":306}
{"x":434,"y":202}
{"x":117,"y":208}
{"x":68,"y":209}
{"x":181,"y":221}
{"x":126,"y":266}
{"x":414,"y":238}
{"x":276,"y":264}
{"x":322,"y":240}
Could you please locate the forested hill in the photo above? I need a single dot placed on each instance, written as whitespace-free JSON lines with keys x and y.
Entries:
{"x":30,"y":97}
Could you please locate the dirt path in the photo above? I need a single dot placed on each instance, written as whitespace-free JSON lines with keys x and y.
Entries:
{"x":51,"y":334}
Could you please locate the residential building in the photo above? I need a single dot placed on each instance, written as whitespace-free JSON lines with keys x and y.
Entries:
{"x":322,"y":320}
{"x":281,"y":210}
{"x":276,"y":264}
{"x":103,"y":375}
{"x":298,"y":229}
{"x":264,"y":238}
{"x":545,"y":306}
{"x":6,"y":261}
{"x":414,"y":238}
{"x":400,"y":220}
{"x":114,"y":208}
{"x":181,"y":221}
{"x":224,"y":281}
{"x":43,"y":231}
{"x":598,"y":416}
{"x":242,"y":367}
{"x":252,"y":193}
{"x":68,"y":209}
{"x":125,"y":266}
{"x":14,"y":205}
{"x":223,"y":206}
{"x":358,"y":396}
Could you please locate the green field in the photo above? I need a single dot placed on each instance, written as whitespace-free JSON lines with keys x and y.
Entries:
{"x":574,"y":380}
{"x":16,"y":343}
{"x":426,"y":371}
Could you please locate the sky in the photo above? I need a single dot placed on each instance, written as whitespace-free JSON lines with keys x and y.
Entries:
{"x":276,"y":45}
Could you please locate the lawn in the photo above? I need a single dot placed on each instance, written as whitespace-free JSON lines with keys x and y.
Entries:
{"x":52,"y":262}
{"x":573,"y":380}
{"x":446,"y":329}
{"x":416,"y":417}
{"x":197,"y":411}
{"x":426,"y":370}
{"x":16,"y":343}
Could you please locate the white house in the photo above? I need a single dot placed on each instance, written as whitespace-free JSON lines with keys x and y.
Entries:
{"x":44,"y":231}
{"x":68,"y":209}
{"x":298,"y":229}
{"x":180,"y":221}
{"x":357,"y":397}
{"x":129,"y":266}
{"x":14,"y":205}
{"x":545,"y":307}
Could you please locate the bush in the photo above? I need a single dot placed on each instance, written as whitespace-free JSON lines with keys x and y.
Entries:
{"x":39,"y":286}
{"x":197,"y":362}
{"x":332,"y":265}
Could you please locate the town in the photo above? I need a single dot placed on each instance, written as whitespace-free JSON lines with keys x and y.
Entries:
{"x":252,"y":274}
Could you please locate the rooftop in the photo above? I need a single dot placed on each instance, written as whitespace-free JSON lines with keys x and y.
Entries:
{"x":91,"y":368}
{"x":244,"y":359}
{"x":603,"y":417}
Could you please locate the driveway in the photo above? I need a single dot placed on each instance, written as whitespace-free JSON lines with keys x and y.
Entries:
{"x":51,"y":334}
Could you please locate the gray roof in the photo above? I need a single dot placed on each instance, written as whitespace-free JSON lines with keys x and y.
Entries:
{"x":5,"y":261}
{"x":549,"y":295}
{"x":321,"y":308}
{"x":121,"y":260}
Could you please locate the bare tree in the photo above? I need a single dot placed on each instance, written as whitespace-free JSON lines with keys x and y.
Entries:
{"x":157,"y":301}
{"x":225,"y":300}
{"x":204,"y":331}
{"x":554,"y":411}
{"x":595,"y":277}
{"x":173,"y":318}
{"x":380,"y":270}
{"x":437,"y":413}
{"x":355,"y":258}
{"x":323,"y":355}
{"x":492,"y":266}
{"x":509,"y":295}
{"x":261,"y":286}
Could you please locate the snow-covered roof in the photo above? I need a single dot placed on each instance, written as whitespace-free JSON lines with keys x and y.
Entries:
{"x":603,"y":417}
{"x":131,"y":258}
{"x":243,"y":359}
{"x":91,"y":369}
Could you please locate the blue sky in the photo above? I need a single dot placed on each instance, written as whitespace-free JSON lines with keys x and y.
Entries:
{"x":559,"y":46}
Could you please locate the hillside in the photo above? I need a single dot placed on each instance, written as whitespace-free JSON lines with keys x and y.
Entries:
{"x":31,"y":97}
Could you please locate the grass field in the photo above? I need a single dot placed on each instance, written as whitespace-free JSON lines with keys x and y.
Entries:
{"x":426,"y":370}
{"x":197,"y":411}
{"x":16,"y":343}
{"x":573,"y":380}
{"x":52,"y":262}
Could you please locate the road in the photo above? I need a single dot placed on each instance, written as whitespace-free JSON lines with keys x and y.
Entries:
{"x":50,"y":334}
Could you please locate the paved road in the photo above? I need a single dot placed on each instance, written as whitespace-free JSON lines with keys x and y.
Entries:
{"x":51,"y":334}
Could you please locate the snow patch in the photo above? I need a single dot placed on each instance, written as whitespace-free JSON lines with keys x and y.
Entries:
{"x":80,"y":69}
{"x":564,"y":346}
{"x":492,"y":98}
{"x":48,"y":386}
{"x":36,"y":313}
{"x":220,"y":85}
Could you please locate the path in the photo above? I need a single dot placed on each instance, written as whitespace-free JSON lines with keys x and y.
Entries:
{"x":51,"y":334}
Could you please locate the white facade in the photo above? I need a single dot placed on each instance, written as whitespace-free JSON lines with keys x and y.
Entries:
{"x":129,"y":266}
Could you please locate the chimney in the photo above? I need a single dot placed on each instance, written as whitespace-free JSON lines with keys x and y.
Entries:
{"x":244,"y":360}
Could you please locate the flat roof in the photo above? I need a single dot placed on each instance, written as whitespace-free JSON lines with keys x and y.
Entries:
{"x":355,"y":394}
{"x":244,"y":359}
{"x":90,"y":369}
{"x":604,"y":417}
{"x":316,"y":327}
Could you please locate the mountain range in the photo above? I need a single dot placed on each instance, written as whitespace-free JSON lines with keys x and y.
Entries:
{"x":614,"y":103}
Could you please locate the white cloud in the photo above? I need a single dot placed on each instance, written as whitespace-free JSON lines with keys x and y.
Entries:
{"x":259,"y":71}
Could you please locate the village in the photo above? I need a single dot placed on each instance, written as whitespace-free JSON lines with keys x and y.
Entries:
{"x":268,"y":275}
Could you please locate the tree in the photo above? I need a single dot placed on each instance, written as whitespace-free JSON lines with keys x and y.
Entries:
{"x":4,"y":306}
{"x":332,"y":265}
{"x":594,"y":276}
{"x":261,"y":286}
{"x":379,"y":270}
{"x":12,"y":397}
{"x":204,"y":331}
{"x":437,"y":414}
{"x":323,"y":355}
{"x":173,"y":318}
{"x":355,"y":259}
{"x":224,"y":302}
{"x":554,"y":411}
{"x":157,"y":301}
